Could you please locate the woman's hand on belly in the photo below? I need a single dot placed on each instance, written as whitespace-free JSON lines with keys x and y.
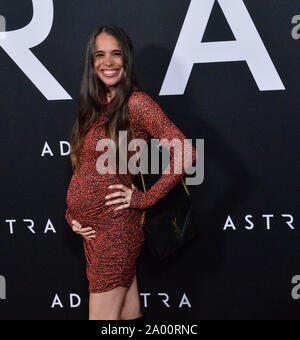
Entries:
{"x":88,"y":233}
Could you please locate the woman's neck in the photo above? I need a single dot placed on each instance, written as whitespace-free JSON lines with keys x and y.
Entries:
{"x":110,"y":94}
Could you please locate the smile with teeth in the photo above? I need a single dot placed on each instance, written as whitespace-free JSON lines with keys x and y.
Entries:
{"x":111,"y":73}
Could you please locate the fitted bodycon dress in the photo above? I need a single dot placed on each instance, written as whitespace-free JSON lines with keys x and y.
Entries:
{"x":111,"y":256}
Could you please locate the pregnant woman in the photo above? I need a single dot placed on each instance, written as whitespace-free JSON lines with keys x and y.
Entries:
{"x":106,"y":208}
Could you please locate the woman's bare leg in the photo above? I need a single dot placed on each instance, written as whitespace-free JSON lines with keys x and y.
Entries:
{"x":131,"y":308}
{"x":107,"y":305}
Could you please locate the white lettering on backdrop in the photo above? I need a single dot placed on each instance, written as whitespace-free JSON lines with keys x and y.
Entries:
{"x":248,"y":47}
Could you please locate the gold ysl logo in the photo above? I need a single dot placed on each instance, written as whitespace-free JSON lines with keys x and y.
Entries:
{"x":175,"y":225}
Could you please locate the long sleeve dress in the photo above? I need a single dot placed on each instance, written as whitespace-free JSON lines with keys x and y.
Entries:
{"x":111,"y":256}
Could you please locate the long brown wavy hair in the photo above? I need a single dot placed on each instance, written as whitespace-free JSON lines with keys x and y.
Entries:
{"x":93,"y":93}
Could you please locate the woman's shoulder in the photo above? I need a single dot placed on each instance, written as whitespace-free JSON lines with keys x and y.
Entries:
{"x":139,"y":99}
{"x":137,"y":94}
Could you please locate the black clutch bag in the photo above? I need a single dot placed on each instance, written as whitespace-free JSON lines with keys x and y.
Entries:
{"x":168,"y":225}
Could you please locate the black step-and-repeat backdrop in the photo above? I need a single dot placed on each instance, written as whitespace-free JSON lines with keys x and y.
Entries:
{"x":224,"y":71}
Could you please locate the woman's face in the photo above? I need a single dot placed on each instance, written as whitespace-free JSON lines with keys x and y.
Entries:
{"x":108,"y":60}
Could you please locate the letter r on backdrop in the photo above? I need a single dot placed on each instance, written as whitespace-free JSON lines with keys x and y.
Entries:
{"x":17,"y":45}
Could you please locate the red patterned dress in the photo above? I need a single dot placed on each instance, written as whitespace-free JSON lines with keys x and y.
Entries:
{"x":111,"y":256}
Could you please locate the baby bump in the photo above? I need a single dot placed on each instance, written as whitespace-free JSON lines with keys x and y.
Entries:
{"x":86,"y":196}
{"x":74,"y":198}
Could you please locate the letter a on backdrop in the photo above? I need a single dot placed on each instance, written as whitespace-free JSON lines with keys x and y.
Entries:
{"x":248,"y":47}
